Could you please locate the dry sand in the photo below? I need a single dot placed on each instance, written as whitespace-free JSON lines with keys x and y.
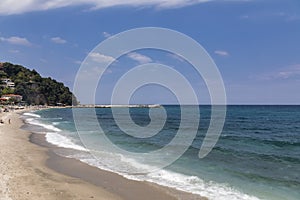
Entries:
{"x":29,"y":171}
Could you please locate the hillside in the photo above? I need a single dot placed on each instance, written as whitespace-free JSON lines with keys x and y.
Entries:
{"x":35,"y":89}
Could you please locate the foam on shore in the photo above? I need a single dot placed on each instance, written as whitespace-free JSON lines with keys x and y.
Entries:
{"x":114,"y":163}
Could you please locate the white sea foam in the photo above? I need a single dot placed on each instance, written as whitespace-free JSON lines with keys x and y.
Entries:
{"x":53,"y":137}
{"x":50,"y":127}
{"x":124,"y":166}
{"x":32,"y":115}
{"x":62,"y":141}
{"x":191,"y":184}
{"x":56,"y":123}
{"x":195,"y":185}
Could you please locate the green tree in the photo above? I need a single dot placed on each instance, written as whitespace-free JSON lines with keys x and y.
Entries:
{"x":35,"y":89}
{"x":7,"y":91}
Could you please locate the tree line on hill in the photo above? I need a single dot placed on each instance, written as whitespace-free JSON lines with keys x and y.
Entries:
{"x":35,"y":89}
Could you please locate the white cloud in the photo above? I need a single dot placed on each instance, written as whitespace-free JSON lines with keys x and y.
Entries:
{"x":16,"y":41}
{"x":8,"y":7}
{"x":288,"y":17}
{"x":221,"y":53}
{"x":58,"y":40}
{"x":142,"y":59}
{"x":78,"y":62}
{"x":245,"y":17}
{"x":100,"y":58}
{"x":43,"y":60}
{"x":14,"y":51}
{"x":106,"y":34}
{"x":289,"y":72}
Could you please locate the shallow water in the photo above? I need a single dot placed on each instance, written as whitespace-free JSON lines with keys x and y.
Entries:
{"x":256,"y":157}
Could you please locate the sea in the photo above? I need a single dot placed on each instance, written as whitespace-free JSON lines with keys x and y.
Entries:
{"x":257,"y":155}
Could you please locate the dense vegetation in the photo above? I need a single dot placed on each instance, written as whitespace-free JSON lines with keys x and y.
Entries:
{"x":35,"y":89}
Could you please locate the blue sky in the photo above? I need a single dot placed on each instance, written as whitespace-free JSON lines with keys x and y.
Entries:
{"x":255,"y":44}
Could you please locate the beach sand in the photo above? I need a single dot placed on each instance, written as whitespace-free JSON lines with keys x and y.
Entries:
{"x":35,"y":172}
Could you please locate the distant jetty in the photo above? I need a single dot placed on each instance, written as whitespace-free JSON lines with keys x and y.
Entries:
{"x":120,"y":106}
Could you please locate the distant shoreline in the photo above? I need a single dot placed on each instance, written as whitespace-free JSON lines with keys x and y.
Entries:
{"x":161,"y":105}
{"x":118,"y":106}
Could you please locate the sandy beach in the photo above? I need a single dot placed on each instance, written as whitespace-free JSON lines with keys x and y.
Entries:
{"x":30,"y":171}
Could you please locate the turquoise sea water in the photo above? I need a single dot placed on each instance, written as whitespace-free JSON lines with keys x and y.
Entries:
{"x":256,"y":157}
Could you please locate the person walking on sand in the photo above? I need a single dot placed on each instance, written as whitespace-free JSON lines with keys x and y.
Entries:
{"x":9,"y":121}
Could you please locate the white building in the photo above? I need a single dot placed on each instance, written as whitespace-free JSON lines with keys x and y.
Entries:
{"x":6,"y":82}
{"x":15,"y":97}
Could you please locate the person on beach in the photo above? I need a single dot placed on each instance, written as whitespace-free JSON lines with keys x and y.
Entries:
{"x":9,"y":121}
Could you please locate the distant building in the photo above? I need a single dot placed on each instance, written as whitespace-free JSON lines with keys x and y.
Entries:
{"x":6,"y":82}
{"x":3,"y":100}
{"x":10,"y":84}
{"x":14,"y":97}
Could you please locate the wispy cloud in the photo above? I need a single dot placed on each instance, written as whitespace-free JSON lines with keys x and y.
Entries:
{"x":16,"y":40}
{"x":77,"y":62}
{"x":58,"y":40}
{"x":286,"y":16}
{"x":221,"y":53}
{"x":43,"y":60}
{"x":289,"y":16}
{"x":101,"y":58}
{"x":14,"y":51}
{"x":290,"y":72}
{"x":142,"y":59}
{"x":106,"y":34}
{"x":8,"y":7}
{"x":245,"y":17}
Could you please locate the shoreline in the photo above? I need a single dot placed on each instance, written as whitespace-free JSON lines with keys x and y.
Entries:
{"x":67,"y":174}
{"x":25,"y":175}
